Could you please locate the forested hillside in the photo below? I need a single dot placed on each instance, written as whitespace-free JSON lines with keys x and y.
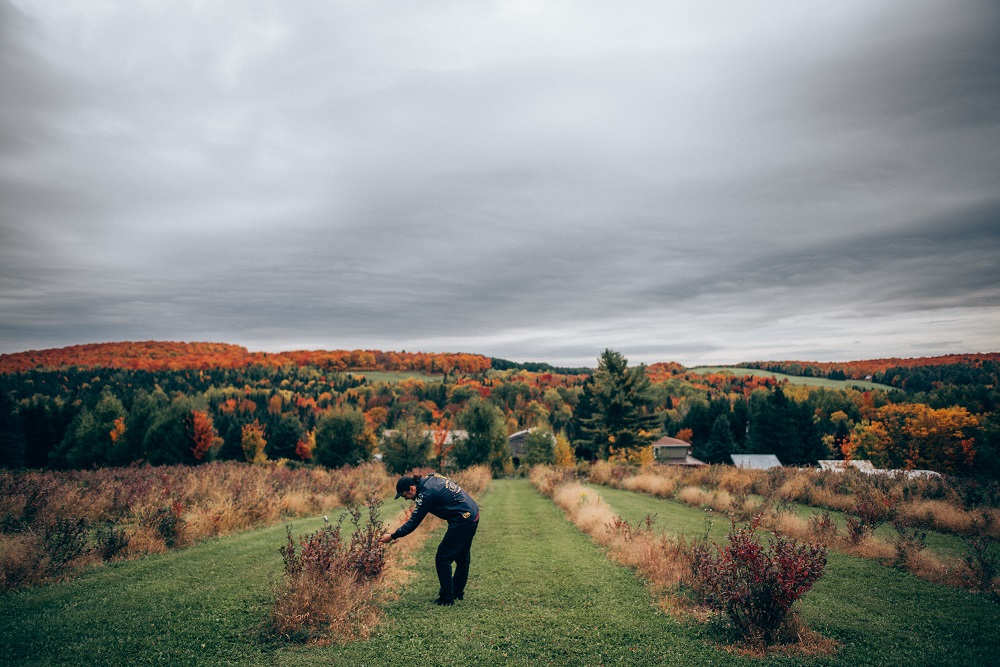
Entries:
{"x":167,"y":403}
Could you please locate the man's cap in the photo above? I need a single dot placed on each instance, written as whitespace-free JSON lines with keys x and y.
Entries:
{"x":403,"y":484}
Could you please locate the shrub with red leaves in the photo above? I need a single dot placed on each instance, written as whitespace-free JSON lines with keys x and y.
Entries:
{"x":754,"y":584}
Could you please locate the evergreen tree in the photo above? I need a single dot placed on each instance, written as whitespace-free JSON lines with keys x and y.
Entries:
{"x":285,"y":433}
{"x":620,"y":404}
{"x":11,"y":437}
{"x":408,"y":447}
{"x":784,"y":428}
{"x":343,"y":438}
{"x":720,"y":443}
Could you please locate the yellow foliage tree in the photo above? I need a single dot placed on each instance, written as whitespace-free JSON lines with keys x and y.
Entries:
{"x":565,"y":457}
{"x":254,"y":443}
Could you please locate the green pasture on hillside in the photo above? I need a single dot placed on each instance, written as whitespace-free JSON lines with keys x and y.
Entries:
{"x":395,"y":377}
{"x":794,"y":379}
{"x":540,"y":593}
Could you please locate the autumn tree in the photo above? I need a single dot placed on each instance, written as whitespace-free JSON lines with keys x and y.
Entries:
{"x":563,"y":452}
{"x":914,"y":436}
{"x":204,"y":438}
{"x":306,"y":446}
{"x":254,"y":442}
{"x":617,"y":406}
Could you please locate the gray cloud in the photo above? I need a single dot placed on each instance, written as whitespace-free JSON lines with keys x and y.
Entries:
{"x":704,"y":182}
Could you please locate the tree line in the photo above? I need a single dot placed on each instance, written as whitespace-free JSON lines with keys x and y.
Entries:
{"x":80,"y":417}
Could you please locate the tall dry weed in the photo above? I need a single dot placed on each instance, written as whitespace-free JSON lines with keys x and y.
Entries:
{"x":600,"y":473}
{"x":737,"y":481}
{"x":157,"y":507}
{"x":652,"y":484}
{"x":475,"y":480}
{"x":695,"y":496}
{"x":938,"y":514}
{"x":797,"y":488}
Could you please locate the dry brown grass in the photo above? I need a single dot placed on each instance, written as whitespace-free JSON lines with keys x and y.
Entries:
{"x":475,"y":480}
{"x":144,"y":540}
{"x":737,"y":481}
{"x":791,"y":524}
{"x":797,"y":489}
{"x":173,"y":506}
{"x":333,"y":608}
{"x":600,"y":473}
{"x":695,"y":496}
{"x":19,"y":564}
{"x":652,"y":484}
{"x":547,"y":478}
{"x":938,"y":514}
{"x":822,"y":497}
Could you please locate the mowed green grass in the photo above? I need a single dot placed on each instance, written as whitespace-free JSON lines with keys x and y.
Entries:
{"x":794,"y":379}
{"x":879,"y":615}
{"x":540,"y":593}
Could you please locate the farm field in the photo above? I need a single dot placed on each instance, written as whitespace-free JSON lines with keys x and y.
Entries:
{"x":540,"y":592}
{"x":394,"y":377}
{"x":793,"y":379}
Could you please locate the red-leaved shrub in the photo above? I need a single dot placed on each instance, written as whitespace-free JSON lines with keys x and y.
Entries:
{"x":754,"y":584}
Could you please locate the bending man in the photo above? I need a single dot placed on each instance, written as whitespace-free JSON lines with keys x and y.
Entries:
{"x":446,"y":500}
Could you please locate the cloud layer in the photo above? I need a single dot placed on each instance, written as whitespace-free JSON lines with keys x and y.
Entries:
{"x":700,"y":182}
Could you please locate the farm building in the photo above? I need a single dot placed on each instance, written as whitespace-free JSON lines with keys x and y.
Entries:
{"x":674,"y":452}
{"x":755,"y":461}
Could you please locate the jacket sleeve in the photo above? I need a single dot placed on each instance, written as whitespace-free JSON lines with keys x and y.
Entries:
{"x":419,"y":512}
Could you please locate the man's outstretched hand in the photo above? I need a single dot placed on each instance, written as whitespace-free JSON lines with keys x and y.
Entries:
{"x":386,"y":537}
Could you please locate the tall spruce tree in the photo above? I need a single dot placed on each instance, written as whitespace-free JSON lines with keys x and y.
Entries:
{"x":620,"y":406}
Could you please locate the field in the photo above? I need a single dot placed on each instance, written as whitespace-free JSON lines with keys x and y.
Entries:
{"x":794,"y":379}
{"x":394,"y":377}
{"x":540,"y":593}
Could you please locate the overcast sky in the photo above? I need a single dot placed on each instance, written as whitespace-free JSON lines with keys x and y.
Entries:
{"x":702,"y":182}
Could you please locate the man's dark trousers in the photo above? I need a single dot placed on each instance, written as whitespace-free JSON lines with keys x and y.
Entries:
{"x":454,"y":548}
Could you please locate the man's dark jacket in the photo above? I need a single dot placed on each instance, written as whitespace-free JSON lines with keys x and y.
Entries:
{"x":444,"y":499}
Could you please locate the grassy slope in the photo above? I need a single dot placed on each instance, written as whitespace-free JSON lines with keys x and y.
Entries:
{"x":540,"y":592}
{"x":794,"y":379}
{"x":195,"y":606}
{"x":879,"y":615}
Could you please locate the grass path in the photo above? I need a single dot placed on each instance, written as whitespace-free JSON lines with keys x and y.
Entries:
{"x":540,"y":593}
{"x":880,"y":616}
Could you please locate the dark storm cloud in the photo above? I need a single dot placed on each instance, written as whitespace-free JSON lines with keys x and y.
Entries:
{"x":693,"y":181}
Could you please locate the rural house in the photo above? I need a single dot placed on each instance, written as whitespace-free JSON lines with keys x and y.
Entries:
{"x":674,"y":452}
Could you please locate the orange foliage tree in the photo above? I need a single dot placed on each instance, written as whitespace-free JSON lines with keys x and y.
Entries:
{"x":202,"y":432}
{"x":913,"y":436}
